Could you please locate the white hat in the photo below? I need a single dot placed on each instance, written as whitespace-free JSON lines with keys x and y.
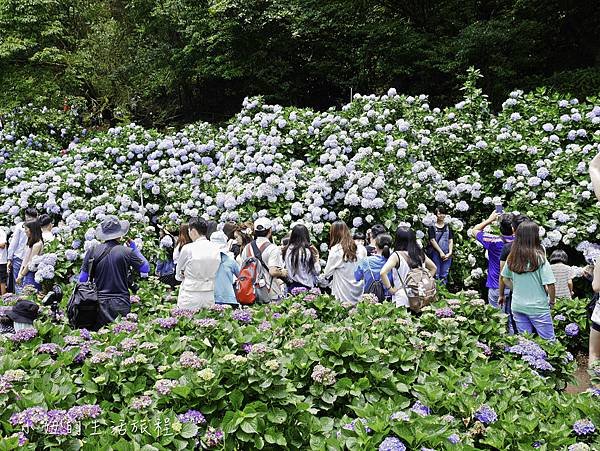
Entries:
{"x":219,"y":238}
{"x":262,"y":224}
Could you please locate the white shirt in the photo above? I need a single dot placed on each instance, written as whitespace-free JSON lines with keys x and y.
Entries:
{"x":3,"y":251}
{"x":344,"y":286}
{"x":18,"y":242}
{"x":48,"y":236}
{"x":198,"y":264}
{"x":271,"y":256}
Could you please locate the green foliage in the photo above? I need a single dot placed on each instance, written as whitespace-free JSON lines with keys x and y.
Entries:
{"x":184,"y":59}
{"x":380,"y":359}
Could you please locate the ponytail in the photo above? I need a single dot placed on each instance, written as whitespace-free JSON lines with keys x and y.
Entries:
{"x":384,"y":242}
{"x":386,"y":251}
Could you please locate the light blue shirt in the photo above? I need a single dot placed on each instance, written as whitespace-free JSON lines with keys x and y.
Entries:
{"x":227,"y":272}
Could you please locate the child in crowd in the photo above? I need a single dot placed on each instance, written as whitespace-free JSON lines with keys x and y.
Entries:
{"x":563,"y":274}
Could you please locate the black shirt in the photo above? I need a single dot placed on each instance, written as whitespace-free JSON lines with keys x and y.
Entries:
{"x":505,"y":251}
{"x":431,"y":231}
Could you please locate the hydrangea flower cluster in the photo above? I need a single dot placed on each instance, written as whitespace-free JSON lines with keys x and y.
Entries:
{"x":572,"y":330}
{"x":486,"y":414}
{"x":584,"y":427}
{"x":192,"y":416}
{"x":392,"y":444}
{"x":323,"y":375}
{"x":532,"y":353}
{"x":54,"y":422}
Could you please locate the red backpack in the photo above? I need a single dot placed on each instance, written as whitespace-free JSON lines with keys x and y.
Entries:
{"x":251,"y":285}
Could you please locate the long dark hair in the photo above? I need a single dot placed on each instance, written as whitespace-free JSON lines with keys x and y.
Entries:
{"x":35,"y":232}
{"x":298,"y":244}
{"x":340,"y":234}
{"x":184,"y":235}
{"x":406,"y":240}
{"x":526,"y":252}
{"x":384,"y":242}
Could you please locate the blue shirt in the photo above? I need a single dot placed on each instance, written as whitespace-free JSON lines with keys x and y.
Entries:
{"x":494,"y":245}
{"x":227,"y":272}
{"x":369,"y":269}
{"x":111,"y":273}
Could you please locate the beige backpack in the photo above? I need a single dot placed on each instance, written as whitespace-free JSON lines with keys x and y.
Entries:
{"x":420,"y":288}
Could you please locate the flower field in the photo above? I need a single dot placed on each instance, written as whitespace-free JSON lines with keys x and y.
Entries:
{"x":387,"y":159}
{"x":306,"y":373}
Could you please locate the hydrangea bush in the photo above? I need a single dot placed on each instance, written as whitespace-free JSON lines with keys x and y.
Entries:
{"x":388,"y":158}
{"x":321,"y":376}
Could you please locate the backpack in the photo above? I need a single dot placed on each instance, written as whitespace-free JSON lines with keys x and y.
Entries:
{"x":251,"y":286}
{"x":376,"y":288}
{"x":83,"y":306}
{"x":420,"y":288}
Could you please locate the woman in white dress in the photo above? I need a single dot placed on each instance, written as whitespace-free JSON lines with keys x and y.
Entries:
{"x":406,"y":256}
{"x":341,"y":264}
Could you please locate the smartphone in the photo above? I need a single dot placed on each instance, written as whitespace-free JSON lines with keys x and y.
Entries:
{"x":499,"y":209}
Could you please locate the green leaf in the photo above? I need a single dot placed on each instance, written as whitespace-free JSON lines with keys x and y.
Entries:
{"x":189,"y":430}
{"x":277,"y":416}
{"x":236,"y":397}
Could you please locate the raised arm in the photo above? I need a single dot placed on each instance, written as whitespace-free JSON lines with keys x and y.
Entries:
{"x":482,"y":225}
{"x":595,"y":174}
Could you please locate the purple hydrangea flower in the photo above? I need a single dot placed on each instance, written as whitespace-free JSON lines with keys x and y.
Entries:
{"x":142,"y":402}
{"x":48,"y":348}
{"x":164,"y":386}
{"x":213,"y":437}
{"x":242,"y":315}
{"x":392,"y":444}
{"x":445,"y":312}
{"x":125,"y":326}
{"x":352,"y":425}
{"x":560,"y":317}
{"x":85,"y":411}
{"x":166,"y":323}
{"x":297,"y":290}
{"x":323,"y":375}
{"x":572,"y":330}
{"x":23,"y":335}
{"x":192,"y":416}
{"x":454,"y":439}
{"x":484,"y":348}
{"x":420,"y":409}
{"x":584,"y":427}
{"x":206,"y":322}
{"x":486,"y":414}
{"x":183,"y":312}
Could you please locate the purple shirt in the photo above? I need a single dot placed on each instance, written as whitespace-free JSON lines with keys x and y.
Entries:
{"x":493,"y":244}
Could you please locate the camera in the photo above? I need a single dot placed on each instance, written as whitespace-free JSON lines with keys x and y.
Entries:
{"x":53,"y":299}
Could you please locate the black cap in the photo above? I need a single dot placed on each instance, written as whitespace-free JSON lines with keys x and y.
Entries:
{"x":24,"y":312}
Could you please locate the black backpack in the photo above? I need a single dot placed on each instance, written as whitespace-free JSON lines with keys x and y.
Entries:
{"x":376,"y":288}
{"x":83,"y":306}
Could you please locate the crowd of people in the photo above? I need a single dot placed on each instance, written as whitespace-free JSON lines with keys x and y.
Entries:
{"x":214,"y":265}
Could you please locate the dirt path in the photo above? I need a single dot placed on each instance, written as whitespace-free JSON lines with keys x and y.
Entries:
{"x":581,"y":376}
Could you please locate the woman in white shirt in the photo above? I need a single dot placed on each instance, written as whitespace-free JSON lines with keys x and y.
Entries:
{"x":46,"y":225}
{"x":341,"y":264}
{"x":406,"y":256}
{"x":182,"y":240}
{"x":35,"y":246}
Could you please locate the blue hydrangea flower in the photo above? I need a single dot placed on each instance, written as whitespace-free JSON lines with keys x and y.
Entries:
{"x":486,"y":414}
{"x":392,"y":444}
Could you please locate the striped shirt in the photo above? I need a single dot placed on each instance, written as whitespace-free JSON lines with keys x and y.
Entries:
{"x":562,"y":274}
